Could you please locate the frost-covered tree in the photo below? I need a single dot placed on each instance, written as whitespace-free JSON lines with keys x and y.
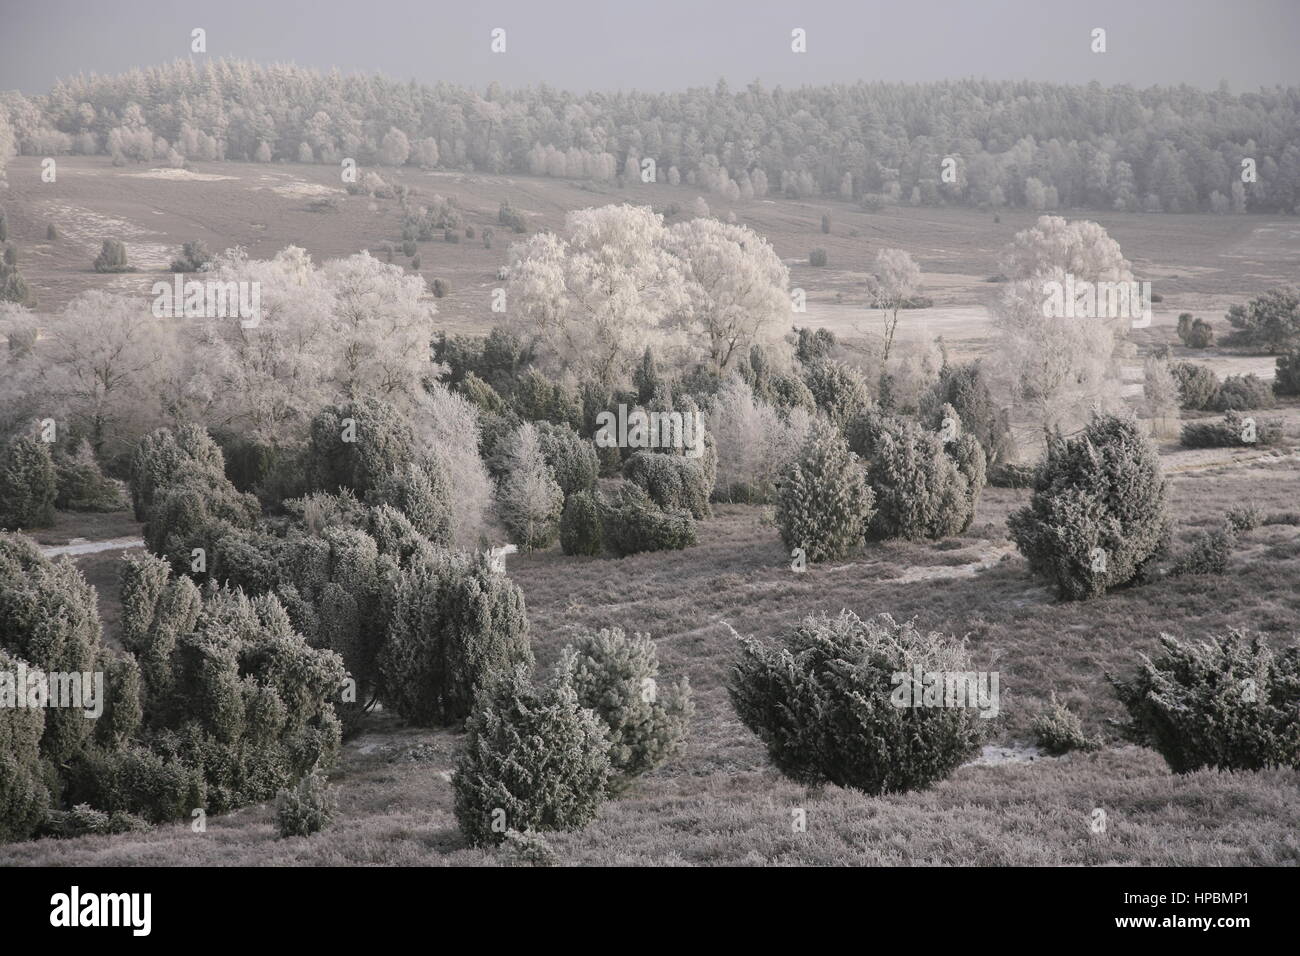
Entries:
{"x":735,"y":288}
{"x":395,"y":148}
{"x":895,"y":282}
{"x":530,"y":499}
{"x":592,"y":297}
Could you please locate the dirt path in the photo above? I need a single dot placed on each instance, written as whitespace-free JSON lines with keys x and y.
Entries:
{"x":92,"y":547}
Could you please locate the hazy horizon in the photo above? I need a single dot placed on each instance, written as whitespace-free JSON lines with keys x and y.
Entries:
{"x":584,"y":46}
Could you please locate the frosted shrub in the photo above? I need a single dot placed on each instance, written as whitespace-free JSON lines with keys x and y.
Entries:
{"x":306,"y":808}
{"x":823,"y":704}
{"x":452,"y":623}
{"x":1099,"y":516}
{"x":1229,"y":702}
{"x":824,"y":504}
{"x":534,"y":759}
{"x":617,"y":677}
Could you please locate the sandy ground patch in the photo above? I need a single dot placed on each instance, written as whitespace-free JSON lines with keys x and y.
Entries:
{"x":180,"y":175}
{"x":89,"y":230}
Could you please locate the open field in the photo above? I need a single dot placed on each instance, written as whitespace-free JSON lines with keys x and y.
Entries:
{"x":1199,"y":263}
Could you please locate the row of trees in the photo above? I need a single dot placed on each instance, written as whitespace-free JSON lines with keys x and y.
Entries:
{"x":1031,"y":144}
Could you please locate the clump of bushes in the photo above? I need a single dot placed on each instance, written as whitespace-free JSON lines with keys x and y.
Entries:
{"x":28,"y":483}
{"x":1287,"y":379}
{"x":632,"y":523}
{"x":824,"y":504}
{"x":306,"y":808}
{"x":534,"y":759}
{"x":1195,"y":333}
{"x":1229,"y":702}
{"x":1234,"y":431}
{"x":528,"y":848}
{"x":83,"y":486}
{"x":1244,"y":518}
{"x":572,"y":459}
{"x":1198,"y":386}
{"x":817,"y":257}
{"x":616,"y":676}
{"x":1058,"y":731}
{"x":1099,"y":516}
{"x":1013,"y":474}
{"x":1242,"y":392}
{"x":839,"y":390}
{"x":49,"y":619}
{"x":452,"y":623}
{"x":112,"y":257}
{"x":1207,"y":554}
{"x":194,"y":256}
{"x":673,"y":482}
{"x":24,"y":796}
{"x":825,"y":704}
{"x":920,"y":489}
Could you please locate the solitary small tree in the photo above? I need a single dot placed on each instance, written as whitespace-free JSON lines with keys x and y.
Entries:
{"x":895,"y":283}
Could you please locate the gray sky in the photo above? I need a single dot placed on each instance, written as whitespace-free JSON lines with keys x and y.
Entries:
{"x":672,"y":44}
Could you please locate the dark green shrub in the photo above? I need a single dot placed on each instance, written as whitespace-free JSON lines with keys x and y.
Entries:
{"x":1235,"y":431}
{"x":194,"y":256}
{"x":1207,"y":554}
{"x":83,"y":486}
{"x":23,"y":794}
{"x":160,"y":457}
{"x":1099,"y":516}
{"x":452,"y":622}
{"x":123,"y":706}
{"x":306,"y":808}
{"x":1244,"y":518}
{"x":156,"y":610}
{"x":112,"y":257}
{"x":1195,"y":333}
{"x":138,"y":781}
{"x":824,"y":504}
{"x":1229,"y":702}
{"x":1287,"y":379}
{"x":534,"y":759}
{"x":1198,"y":386}
{"x":839,"y":390}
{"x":83,"y":820}
{"x":357,"y":445}
{"x":580,"y":525}
{"x":631,"y":523}
{"x":28,"y":484}
{"x":1270,"y":321}
{"x":817,"y":258}
{"x":617,"y":677}
{"x":571,"y":457}
{"x":1013,"y":475}
{"x":673,"y":482}
{"x":828,"y":708}
{"x":49,"y":617}
{"x":1243,"y":392}
{"x":1059,"y":731}
{"x":528,"y":848}
{"x":964,"y":388}
{"x":422,"y":492}
{"x":917,"y":488}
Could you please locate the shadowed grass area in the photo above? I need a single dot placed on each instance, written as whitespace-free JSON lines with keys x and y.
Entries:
{"x":720,"y":801}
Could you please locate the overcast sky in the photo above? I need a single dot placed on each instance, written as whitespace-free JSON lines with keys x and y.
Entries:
{"x":672,"y":44}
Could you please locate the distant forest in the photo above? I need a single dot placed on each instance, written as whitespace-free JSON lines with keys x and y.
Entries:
{"x":1037,"y":145}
